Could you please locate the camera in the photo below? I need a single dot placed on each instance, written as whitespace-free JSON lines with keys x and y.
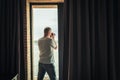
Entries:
{"x":52,"y":34}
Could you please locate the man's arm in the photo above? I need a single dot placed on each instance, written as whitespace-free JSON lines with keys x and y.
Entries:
{"x":53,"y":43}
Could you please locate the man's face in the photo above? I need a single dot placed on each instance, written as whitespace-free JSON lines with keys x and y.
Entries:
{"x":49,"y":32}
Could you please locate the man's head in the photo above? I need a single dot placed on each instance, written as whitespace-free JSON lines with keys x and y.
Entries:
{"x":47,"y":31}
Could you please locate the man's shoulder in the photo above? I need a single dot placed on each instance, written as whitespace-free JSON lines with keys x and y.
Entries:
{"x":49,"y":40}
{"x":39,"y":39}
{"x":44,"y":39}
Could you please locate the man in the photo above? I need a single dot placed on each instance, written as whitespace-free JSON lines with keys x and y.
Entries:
{"x":46,"y":46}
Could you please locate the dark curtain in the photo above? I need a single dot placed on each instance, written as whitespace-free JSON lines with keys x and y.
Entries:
{"x":61,"y":38}
{"x":91,"y":40}
{"x":11,"y":38}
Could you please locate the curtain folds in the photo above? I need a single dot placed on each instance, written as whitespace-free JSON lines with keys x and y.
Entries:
{"x":11,"y":40}
{"x":91,"y":40}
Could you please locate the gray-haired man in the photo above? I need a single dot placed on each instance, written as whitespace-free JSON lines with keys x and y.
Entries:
{"x":46,"y":46}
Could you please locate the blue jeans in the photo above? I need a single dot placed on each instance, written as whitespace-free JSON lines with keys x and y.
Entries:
{"x":49,"y":68}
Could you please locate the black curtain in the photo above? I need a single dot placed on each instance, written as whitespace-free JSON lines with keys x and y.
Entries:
{"x":91,"y":40}
{"x":11,"y":38}
{"x":61,"y":38}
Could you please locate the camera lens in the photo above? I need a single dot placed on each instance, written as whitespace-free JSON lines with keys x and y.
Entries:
{"x":52,"y":33}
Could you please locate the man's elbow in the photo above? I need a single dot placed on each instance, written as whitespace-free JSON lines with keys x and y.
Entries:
{"x":55,"y":47}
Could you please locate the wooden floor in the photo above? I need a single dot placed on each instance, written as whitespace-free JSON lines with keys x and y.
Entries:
{"x":45,"y":78}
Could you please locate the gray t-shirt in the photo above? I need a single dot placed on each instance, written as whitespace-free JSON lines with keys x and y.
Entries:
{"x":46,"y":48}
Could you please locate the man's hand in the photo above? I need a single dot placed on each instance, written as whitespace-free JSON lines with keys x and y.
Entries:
{"x":52,"y":36}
